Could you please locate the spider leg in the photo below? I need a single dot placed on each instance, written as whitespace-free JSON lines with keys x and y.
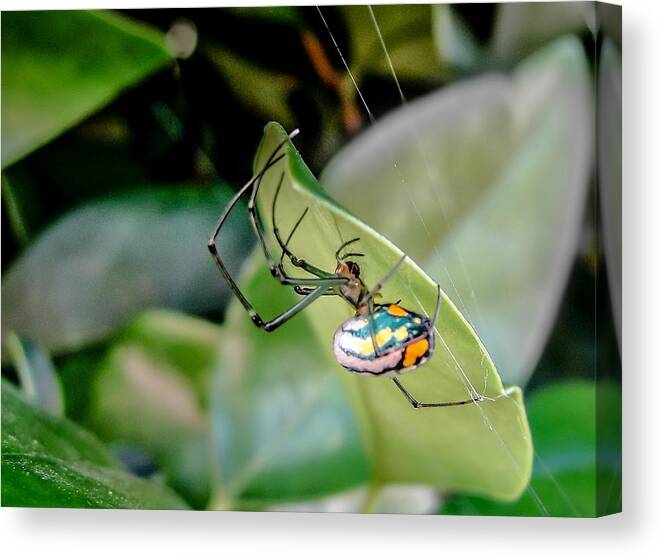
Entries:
{"x":304,"y":291}
{"x":367,"y":298}
{"x":322,"y":283}
{"x":416,"y":404}
{"x":295,"y":261}
{"x":273,"y":159}
{"x":370,"y":324}
{"x":292,"y":311}
{"x":430,"y":335}
{"x":344,"y":245}
{"x":291,"y":234}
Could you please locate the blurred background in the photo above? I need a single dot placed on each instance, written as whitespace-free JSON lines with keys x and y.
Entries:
{"x":125,"y":133}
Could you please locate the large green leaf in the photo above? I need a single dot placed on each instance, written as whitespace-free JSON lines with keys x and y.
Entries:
{"x":484,"y":184}
{"x":483,"y":448}
{"x":51,"y":462}
{"x":150,"y":394}
{"x":58,"y":67}
{"x":107,"y":261}
{"x":563,"y":420}
{"x":283,"y":424}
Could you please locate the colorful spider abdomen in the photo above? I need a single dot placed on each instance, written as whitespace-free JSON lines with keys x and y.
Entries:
{"x":402,"y":339}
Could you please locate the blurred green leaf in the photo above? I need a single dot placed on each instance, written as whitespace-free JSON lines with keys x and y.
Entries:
{"x":521,"y":28}
{"x":283,"y":424}
{"x":455,"y":44}
{"x":60,"y":66}
{"x":261,"y":90}
{"x":609,"y":168}
{"x":439,"y":447}
{"x":407,"y":34}
{"x":51,"y":462}
{"x":484,"y":184}
{"x":39,"y":381}
{"x":107,"y":261}
{"x":563,"y":423}
{"x":151,"y":393}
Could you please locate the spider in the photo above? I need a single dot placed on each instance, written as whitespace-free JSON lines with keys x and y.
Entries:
{"x":380,"y":339}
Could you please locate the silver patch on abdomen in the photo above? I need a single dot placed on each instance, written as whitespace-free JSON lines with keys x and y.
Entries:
{"x":386,"y":365}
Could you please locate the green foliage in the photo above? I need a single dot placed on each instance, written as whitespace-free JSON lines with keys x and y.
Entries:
{"x":113,"y":154}
{"x":563,"y":421}
{"x":37,"y":374}
{"x":283,"y":424}
{"x":260,"y":89}
{"x":143,"y":249}
{"x":50,"y":81}
{"x":407,"y":35}
{"x":51,"y":462}
{"x":443,"y":450}
{"x":518,"y":30}
{"x":150,"y":393}
{"x":483,"y":184}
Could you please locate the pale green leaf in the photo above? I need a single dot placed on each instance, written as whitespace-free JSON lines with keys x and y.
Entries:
{"x":483,"y":448}
{"x":523,"y":27}
{"x":484,"y":184}
{"x":283,"y":424}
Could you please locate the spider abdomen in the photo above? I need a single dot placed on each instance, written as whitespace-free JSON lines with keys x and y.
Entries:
{"x":402,"y":339}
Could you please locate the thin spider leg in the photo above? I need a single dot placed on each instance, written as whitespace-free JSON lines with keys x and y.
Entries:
{"x":256,"y":222}
{"x":313,"y":281}
{"x":344,"y":245}
{"x":352,"y":254}
{"x":295,"y":261}
{"x":271,"y":161}
{"x":291,"y":234}
{"x":322,"y":282}
{"x":304,"y":291}
{"x":379,"y":285}
{"x":417,"y":404}
{"x":431,"y":329}
{"x":212,"y":240}
{"x":437,"y":311}
{"x":276,"y":270}
{"x":404,"y":345}
{"x":292,"y":311}
{"x":370,"y":324}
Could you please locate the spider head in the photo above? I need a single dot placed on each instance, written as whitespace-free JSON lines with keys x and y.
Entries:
{"x":354,"y":269}
{"x":348,"y":269}
{"x":353,"y":289}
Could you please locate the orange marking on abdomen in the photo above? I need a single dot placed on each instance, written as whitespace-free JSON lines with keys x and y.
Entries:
{"x":397,"y":311}
{"x":415,"y":351}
